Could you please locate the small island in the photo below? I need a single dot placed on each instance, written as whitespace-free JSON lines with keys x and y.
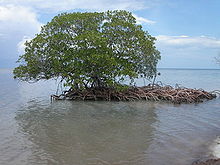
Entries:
{"x":153,"y":93}
{"x":93,"y":53}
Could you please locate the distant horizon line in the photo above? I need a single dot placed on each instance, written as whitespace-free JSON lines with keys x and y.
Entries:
{"x":188,"y":68}
{"x":163,"y":68}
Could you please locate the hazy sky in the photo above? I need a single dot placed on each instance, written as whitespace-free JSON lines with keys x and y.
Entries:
{"x":187,"y":31}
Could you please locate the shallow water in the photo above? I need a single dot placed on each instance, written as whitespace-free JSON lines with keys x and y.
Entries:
{"x":35,"y":131}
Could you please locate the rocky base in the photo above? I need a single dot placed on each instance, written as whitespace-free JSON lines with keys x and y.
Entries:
{"x":208,"y":162}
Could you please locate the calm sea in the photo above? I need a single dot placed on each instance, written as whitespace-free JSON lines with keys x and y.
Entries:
{"x":35,"y":131}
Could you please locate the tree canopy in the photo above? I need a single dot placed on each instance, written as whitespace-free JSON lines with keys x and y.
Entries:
{"x":89,"y":50}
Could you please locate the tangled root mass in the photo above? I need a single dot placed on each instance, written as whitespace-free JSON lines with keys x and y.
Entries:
{"x":175,"y":95}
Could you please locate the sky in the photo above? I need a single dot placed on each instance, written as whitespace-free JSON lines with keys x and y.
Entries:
{"x":187,"y":31}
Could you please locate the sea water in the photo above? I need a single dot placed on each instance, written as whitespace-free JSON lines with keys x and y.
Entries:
{"x":34,"y":130}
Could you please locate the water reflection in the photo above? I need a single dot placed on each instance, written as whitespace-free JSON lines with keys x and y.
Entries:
{"x":116,"y":133}
{"x":88,"y":132}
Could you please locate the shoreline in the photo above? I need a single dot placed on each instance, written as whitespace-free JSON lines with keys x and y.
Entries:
{"x":214,"y":158}
{"x":208,"y":162}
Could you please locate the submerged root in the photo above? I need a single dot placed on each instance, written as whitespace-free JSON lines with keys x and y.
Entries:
{"x":175,"y":95}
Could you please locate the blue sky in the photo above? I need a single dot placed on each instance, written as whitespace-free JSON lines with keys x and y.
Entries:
{"x":187,"y":31}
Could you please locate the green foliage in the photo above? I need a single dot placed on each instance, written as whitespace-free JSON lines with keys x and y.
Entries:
{"x":89,"y":50}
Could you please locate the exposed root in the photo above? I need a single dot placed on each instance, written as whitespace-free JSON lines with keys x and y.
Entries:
{"x":175,"y":95}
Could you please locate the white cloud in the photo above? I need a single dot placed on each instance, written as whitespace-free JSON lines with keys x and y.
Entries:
{"x":17,"y":17}
{"x":15,"y":23}
{"x":61,"y":5}
{"x":187,"y":51}
{"x":142,"y":20}
{"x":201,"y":41}
{"x":21,"y":46}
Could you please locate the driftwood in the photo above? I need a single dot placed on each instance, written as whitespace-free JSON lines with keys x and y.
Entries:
{"x":175,"y":95}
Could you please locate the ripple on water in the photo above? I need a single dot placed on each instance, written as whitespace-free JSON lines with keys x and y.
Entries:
{"x":35,"y":131}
